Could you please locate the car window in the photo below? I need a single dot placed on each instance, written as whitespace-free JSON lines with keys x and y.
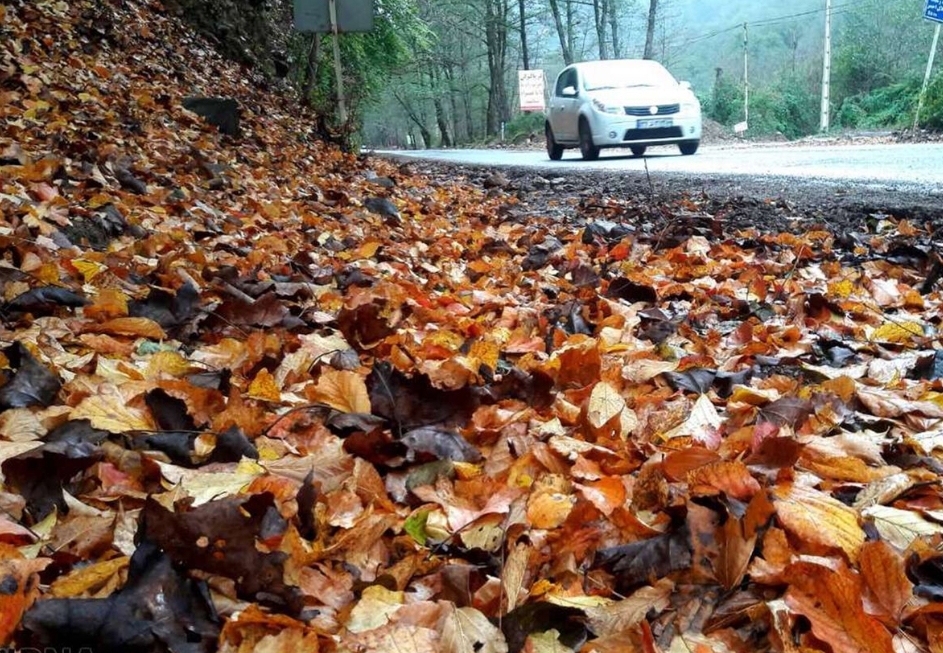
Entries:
{"x":565,"y":80}
{"x":619,"y":75}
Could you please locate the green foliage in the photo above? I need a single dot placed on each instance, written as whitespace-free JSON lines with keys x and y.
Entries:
{"x":725,"y":104}
{"x":887,"y":106}
{"x":932,"y":115}
{"x":524,"y":125}
{"x":369,"y":60}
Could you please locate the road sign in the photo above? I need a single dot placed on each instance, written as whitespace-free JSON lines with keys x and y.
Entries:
{"x":531,"y":90}
{"x":315,"y":16}
{"x":934,"y":11}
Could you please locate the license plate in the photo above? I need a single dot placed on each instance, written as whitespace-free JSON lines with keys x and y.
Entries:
{"x":655,"y":123}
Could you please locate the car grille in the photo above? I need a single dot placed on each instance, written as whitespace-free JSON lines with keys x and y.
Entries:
{"x":663,"y":110}
{"x":653,"y":134}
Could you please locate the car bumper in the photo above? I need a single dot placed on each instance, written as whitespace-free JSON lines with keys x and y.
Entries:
{"x":615,"y":131}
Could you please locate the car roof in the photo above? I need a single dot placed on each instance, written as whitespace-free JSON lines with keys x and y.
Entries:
{"x":614,"y":63}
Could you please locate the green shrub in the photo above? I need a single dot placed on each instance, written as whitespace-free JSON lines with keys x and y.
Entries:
{"x":524,"y":125}
{"x":889,"y":106}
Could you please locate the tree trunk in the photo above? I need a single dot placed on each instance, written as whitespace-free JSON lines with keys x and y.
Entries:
{"x":564,"y":44}
{"x":650,"y":33}
{"x":496,"y":33}
{"x":600,"y":9}
{"x":440,"y":116}
{"x":311,"y":70}
{"x":614,"y":29}
{"x":453,"y":101}
{"x":525,"y":55}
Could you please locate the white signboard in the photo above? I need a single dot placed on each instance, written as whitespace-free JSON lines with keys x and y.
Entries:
{"x":531,"y":84}
{"x":740,"y":127}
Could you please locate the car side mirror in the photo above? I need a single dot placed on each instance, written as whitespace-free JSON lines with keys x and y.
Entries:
{"x":570,"y":91}
{"x":686,"y":85}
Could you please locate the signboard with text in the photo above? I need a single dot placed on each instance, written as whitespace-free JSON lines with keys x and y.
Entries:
{"x":315,"y":16}
{"x":934,"y":11}
{"x":532,"y":92}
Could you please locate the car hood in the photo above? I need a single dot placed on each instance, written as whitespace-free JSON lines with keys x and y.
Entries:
{"x":642,"y":96}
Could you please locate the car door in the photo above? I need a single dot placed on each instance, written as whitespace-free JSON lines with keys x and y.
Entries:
{"x":564,"y":110}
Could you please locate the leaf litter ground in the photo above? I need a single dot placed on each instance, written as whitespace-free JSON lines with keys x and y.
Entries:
{"x":258,"y":394}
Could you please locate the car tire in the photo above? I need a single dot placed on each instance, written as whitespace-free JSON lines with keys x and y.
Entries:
{"x":587,"y":148}
{"x":638,"y":150}
{"x":689,"y":147}
{"x":554,"y":149}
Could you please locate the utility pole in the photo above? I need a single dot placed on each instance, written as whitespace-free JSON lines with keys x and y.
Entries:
{"x":827,"y":70}
{"x":746,"y":75}
{"x":338,"y":67}
{"x":926,"y":78}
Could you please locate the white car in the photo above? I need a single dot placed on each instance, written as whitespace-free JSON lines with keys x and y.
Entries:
{"x":632,"y":103}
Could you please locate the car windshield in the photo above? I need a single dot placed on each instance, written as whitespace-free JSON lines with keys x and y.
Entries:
{"x":606,"y":75}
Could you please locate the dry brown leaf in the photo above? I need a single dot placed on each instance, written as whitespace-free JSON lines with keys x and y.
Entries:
{"x":620,"y":616}
{"x":466,"y":630}
{"x":883,"y":572}
{"x":88,"y":579}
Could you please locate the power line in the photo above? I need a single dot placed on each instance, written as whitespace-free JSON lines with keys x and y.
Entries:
{"x":836,"y":10}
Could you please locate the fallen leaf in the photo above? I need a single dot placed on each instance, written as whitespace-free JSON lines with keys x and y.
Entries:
{"x":466,"y":630}
{"x":815,"y":517}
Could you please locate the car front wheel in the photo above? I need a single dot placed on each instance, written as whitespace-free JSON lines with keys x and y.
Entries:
{"x":587,"y":148}
{"x":554,"y":149}
{"x":688,"y":148}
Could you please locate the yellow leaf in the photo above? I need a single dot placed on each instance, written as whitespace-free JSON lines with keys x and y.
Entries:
{"x":263,"y":387}
{"x":88,"y":579}
{"x":345,"y":391}
{"x":167,"y":362}
{"x":112,"y":413}
{"x":88,"y":269}
{"x":816,"y":517}
{"x":841,"y":289}
{"x":899,"y":333}
{"x":604,"y":404}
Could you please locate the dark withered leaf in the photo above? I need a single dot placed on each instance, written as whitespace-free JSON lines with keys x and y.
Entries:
{"x":531,"y":618}
{"x":31,"y":385}
{"x":232,"y":445}
{"x":412,"y":402}
{"x":170,"y":412}
{"x":165,"y":308}
{"x":365,"y":325}
{"x":178,"y":446}
{"x":540,"y":255}
{"x":231,"y":527}
{"x":45,"y":300}
{"x":637,"y":563}
{"x":440,"y":444}
{"x":307,"y":499}
{"x":697,"y":380}
{"x":267,"y":311}
{"x":158,"y":609}
{"x":787,"y":411}
{"x":218,"y":380}
{"x":39,"y":476}
{"x":630,"y":291}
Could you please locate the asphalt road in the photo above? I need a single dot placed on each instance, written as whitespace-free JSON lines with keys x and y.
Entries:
{"x":913,"y":169}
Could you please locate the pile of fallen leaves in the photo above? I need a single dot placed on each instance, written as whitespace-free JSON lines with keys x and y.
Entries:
{"x":257,"y":394}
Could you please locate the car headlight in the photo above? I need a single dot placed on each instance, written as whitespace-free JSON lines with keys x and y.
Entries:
{"x":606,"y":108}
{"x":691,"y":105}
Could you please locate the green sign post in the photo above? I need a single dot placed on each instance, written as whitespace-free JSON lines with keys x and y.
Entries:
{"x":334,"y":17}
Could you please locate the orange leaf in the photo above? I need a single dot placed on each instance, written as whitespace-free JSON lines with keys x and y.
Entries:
{"x":345,"y":391}
{"x":135,"y":327}
{"x":732,"y":478}
{"x":831,"y":601}
{"x":17,"y":575}
{"x":736,"y":550}
{"x":883,"y":572}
